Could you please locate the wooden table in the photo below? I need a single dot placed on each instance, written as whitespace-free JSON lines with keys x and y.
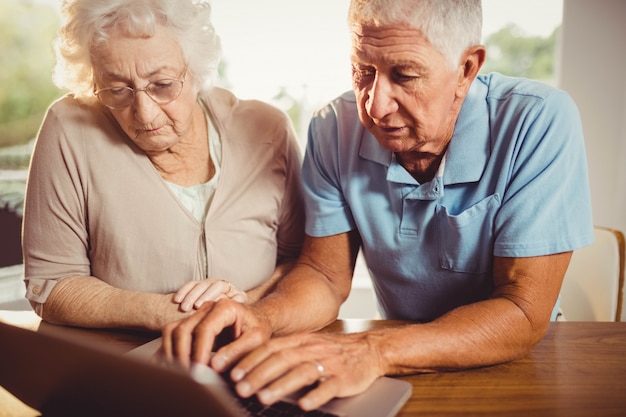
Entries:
{"x":578,"y":369}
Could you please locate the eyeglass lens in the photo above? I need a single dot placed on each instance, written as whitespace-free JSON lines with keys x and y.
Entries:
{"x":161,"y":92}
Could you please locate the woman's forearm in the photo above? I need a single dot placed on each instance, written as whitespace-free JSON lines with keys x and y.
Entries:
{"x":86,"y":301}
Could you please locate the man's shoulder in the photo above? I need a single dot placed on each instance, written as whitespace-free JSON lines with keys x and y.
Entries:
{"x":512,"y":96}
{"x":503,"y":87}
{"x":347,"y":97}
{"x":342,"y":107}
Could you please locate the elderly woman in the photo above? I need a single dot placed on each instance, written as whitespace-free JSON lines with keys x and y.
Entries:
{"x":151,"y":192}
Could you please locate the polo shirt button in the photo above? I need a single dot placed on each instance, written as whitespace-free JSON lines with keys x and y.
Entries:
{"x":37,"y":290}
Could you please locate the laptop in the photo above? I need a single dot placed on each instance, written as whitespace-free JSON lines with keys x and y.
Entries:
{"x":60,"y":374}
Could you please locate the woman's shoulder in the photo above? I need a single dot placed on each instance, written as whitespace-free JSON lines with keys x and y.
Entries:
{"x":79,"y":122}
{"x":72,"y":112}
{"x":69,"y":103}
{"x":225,"y":104}
{"x":239,"y":118}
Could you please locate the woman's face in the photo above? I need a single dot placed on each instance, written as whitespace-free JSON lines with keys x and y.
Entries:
{"x":137,"y":62}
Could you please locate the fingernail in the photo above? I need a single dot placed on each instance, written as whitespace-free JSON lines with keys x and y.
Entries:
{"x":265,"y":396}
{"x":244,"y":389}
{"x":218,"y":363}
{"x":237,"y":374}
{"x":305,"y":404}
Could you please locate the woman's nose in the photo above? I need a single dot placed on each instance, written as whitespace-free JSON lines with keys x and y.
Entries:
{"x":145,"y":108}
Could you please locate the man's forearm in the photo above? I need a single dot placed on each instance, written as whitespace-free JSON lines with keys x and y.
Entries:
{"x":304,"y":300}
{"x":484,"y":333}
{"x":268,"y":286}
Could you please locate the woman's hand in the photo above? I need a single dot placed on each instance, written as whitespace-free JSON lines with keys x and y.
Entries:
{"x":195,"y":293}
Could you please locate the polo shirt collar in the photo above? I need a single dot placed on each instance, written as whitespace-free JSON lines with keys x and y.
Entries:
{"x":370,"y":149}
{"x":469,"y":148}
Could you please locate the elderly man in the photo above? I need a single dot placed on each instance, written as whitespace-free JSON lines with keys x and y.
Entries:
{"x":467,"y":194}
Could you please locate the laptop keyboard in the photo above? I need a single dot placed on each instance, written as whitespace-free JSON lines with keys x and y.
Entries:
{"x":278,"y":409}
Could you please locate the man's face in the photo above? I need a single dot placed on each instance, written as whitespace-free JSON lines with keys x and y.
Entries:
{"x":405,"y":89}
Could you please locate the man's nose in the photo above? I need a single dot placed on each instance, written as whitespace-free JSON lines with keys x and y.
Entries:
{"x":381,"y":100}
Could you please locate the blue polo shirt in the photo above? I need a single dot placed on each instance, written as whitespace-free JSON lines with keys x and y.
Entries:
{"x":513,"y":183}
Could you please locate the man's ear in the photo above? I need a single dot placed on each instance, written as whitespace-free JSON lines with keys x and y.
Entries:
{"x":471,"y":62}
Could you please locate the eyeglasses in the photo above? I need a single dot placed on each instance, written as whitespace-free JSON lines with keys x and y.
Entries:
{"x":161,"y":92}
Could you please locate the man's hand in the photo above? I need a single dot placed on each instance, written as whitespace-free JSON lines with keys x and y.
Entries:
{"x":343,"y":365}
{"x":192,"y":339}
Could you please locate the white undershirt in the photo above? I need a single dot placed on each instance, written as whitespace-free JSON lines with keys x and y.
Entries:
{"x":197,"y":198}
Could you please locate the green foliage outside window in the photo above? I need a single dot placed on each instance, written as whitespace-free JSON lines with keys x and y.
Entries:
{"x":511,"y":52}
{"x":26,"y":32}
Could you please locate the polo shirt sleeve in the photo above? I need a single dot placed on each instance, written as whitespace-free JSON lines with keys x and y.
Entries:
{"x":327,"y":211}
{"x":546,"y":207}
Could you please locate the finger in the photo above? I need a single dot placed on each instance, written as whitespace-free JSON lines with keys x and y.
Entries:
{"x":190,"y":300}
{"x":192,"y":296}
{"x":271,"y":361}
{"x":325,"y":391}
{"x":236,"y":294}
{"x":303,"y":375}
{"x":178,"y":338}
{"x":249,"y":334}
{"x":209,"y":290}
{"x":227,"y":356}
{"x":262,"y":353}
{"x":240,"y":297}
{"x":213,"y":292}
{"x":166,"y":342}
{"x":235,"y":316}
{"x":219,"y":317}
{"x":187,"y":295}
{"x":183,"y":291}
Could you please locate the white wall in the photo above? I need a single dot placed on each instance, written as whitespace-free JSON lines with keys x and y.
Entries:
{"x":593,"y":71}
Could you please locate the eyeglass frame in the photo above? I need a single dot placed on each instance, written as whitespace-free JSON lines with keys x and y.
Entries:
{"x":145,"y":90}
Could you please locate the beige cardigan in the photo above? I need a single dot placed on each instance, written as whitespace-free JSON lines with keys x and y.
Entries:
{"x":95,"y":204}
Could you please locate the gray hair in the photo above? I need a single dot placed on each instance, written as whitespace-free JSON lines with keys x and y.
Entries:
{"x":87,"y":23}
{"x":451,"y":26}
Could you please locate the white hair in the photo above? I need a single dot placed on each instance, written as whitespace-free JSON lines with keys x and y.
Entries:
{"x":88,"y":24}
{"x":451,"y":26}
